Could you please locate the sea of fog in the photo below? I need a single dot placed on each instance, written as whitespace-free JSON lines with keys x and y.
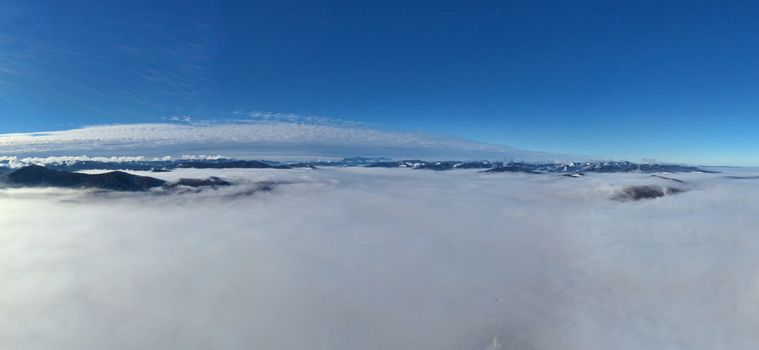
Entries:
{"x":357,"y":258}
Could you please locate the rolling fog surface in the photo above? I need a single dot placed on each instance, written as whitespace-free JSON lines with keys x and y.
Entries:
{"x":383,"y":259}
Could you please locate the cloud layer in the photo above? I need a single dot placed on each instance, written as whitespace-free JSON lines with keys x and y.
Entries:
{"x":270,"y":139}
{"x":371,"y":259}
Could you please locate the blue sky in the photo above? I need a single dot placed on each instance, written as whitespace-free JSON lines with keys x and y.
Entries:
{"x":673,"y":80}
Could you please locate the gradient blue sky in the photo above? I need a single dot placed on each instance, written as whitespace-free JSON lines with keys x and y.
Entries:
{"x":675,"y":80}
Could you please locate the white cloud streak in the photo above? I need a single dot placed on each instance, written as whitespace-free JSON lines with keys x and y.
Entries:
{"x":252,"y":140}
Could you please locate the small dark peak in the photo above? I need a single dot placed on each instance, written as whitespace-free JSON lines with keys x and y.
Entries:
{"x":640,"y":192}
{"x":743,"y":177}
{"x":573,"y":175}
{"x":260,"y":187}
{"x":634,"y":193}
{"x":212,"y":182}
{"x":673,"y":190}
{"x":668,"y":178}
{"x":160,"y":170}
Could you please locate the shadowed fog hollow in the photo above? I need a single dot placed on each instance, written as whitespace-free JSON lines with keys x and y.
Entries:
{"x":383,"y":259}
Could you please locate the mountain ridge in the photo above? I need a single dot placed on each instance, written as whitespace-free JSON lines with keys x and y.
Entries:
{"x":376,"y":162}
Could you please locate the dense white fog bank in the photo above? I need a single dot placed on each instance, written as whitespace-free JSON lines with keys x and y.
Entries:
{"x":361,"y":258}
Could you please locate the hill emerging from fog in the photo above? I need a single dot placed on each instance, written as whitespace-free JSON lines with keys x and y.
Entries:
{"x":39,"y":176}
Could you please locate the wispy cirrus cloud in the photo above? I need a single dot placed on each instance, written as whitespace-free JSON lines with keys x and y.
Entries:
{"x":260,"y":116}
{"x":134,"y":62}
